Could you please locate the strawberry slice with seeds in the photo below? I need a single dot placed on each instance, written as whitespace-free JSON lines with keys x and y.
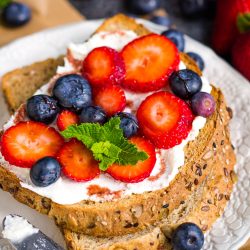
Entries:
{"x":66,"y":118}
{"x":103,"y":66}
{"x":27,"y":142}
{"x":164,"y":119}
{"x":141,"y":169}
{"x":149,"y":61}
{"x":77,"y":161}
{"x":111,"y":98}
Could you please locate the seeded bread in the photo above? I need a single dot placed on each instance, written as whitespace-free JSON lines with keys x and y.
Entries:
{"x":121,"y":217}
{"x":204,"y":206}
{"x":20,"y":84}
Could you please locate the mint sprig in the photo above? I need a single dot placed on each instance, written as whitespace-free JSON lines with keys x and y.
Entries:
{"x":106,"y":142}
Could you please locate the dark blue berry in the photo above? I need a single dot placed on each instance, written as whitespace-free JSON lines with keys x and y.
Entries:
{"x":161,"y":20}
{"x":188,"y":236}
{"x":93,"y":114}
{"x":176,"y":37}
{"x":203,"y":104}
{"x":73,"y":91}
{"x":185,"y":83}
{"x":143,"y":6}
{"x":42,"y":108}
{"x":45,"y":172}
{"x":196,"y":8}
{"x":129,"y":124}
{"x":198,"y":59}
{"x":16,"y":14}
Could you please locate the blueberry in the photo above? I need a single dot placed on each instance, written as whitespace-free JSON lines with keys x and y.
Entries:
{"x":188,"y":236}
{"x":196,"y":8}
{"x":143,"y":6}
{"x":16,"y":14}
{"x":161,"y":20}
{"x":203,"y":104}
{"x":185,"y":83}
{"x":45,"y":172}
{"x":198,"y":59}
{"x":176,"y":37}
{"x":129,"y":124}
{"x":93,"y":114}
{"x":73,"y":91}
{"x":42,"y":108}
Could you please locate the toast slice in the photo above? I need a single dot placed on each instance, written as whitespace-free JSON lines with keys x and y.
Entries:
{"x":164,"y":203}
{"x":20,"y":84}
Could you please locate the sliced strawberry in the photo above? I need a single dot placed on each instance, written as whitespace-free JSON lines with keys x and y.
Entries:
{"x":165,"y":119}
{"x":111,"y":98}
{"x":103,"y":66}
{"x":77,"y":161}
{"x":27,"y":142}
{"x":141,"y":170}
{"x":66,"y":118}
{"x":149,"y":61}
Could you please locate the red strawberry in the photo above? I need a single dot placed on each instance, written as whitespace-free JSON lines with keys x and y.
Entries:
{"x":66,"y":118}
{"x":165,"y":119}
{"x":27,"y":142}
{"x":103,"y":66}
{"x":241,"y":54}
{"x":141,"y":170}
{"x":149,"y":61}
{"x":225,"y":28}
{"x":111,"y":98}
{"x":77,"y":161}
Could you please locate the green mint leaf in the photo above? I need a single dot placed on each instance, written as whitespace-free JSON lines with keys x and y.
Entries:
{"x":111,"y":130}
{"x":105,"y":163}
{"x":105,"y":152}
{"x":88,"y":133}
{"x":106,"y":142}
{"x":130,"y":151}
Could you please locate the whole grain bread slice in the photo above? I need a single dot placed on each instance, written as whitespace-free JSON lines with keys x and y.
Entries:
{"x":20,"y":84}
{"x":104,"y":219}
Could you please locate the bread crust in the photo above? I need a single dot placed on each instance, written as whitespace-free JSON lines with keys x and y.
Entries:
{"x":20,"y":84}
{"x":208,"y":205}
{"x":122,"y":217}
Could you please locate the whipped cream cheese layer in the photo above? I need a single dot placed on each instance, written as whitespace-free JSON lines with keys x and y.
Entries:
{"x":114,"y":40}
{"x":66,"y":191}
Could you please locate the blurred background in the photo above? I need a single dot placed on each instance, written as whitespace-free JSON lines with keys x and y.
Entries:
{"x":195,"y":19}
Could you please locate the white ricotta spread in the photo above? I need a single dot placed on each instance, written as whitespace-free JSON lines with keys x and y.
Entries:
{"x":114,"y":40}
{"x":66,"y":191}
{"x":16,"y":229}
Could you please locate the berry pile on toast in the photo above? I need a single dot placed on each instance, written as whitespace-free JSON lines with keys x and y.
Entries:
{"x":81,"y":110}
{"x":163,"y":119}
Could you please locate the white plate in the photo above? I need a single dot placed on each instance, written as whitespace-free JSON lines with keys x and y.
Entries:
{"x":233,"y":228}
